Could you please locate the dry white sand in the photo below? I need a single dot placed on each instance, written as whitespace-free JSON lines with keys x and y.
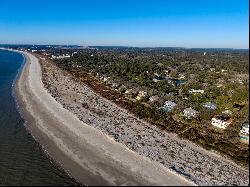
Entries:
{"x":89,"y":155}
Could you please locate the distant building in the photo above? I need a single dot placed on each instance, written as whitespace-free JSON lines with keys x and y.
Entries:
{"x":128,"y":91}
{"x":244,"y":132}
{"x":221,"y":121}
{"x":227,"y":112}
{"x":189,"y":112}
{"x":168,"y":106}
{"x":60,"y":56}
{"x":140,"y":95}
{"x":210,"y":105}
{"x":219,"y":85}
{"x":195,"y":91}
{"x":157,"y":79}
{"x":181,"y":76}
{"x":153,"y":98}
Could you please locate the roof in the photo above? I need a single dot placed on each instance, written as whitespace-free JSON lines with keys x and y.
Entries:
{"x":223,"y":118}
{"x":190,"y":110}
{"x":171,"y":103}
{"x":245,"y":125}
{"x":209,"y":104}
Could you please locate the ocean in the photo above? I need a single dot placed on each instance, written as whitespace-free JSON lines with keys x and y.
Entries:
{"x":22,"y":161}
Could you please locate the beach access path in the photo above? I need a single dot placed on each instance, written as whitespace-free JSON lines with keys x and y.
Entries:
{"x":89,"y":155}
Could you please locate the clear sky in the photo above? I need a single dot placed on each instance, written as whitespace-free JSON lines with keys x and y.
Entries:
{"x":182,"y":23}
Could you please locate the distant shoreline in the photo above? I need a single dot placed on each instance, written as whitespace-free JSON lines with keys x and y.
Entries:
{"x":86,"y":153}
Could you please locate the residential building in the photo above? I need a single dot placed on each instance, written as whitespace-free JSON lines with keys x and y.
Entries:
{"x":181,"y":76}
{"x":210,"y":105}
{"x":168,"y":106}
{"x":157,"y":79}
{"x":153,"y":98}
{"x":189,"y":112}
{"x":195,"y":91}
{"x":244,"y":132}
{"x":140,"y":95}
{"x":227,"y":112}
{"x":128,"y":91}
{"x":221,"y":121}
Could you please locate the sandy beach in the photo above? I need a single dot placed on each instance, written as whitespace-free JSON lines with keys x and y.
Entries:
{"x":89,"y":155}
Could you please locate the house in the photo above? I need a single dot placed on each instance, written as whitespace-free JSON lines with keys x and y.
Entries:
{"x":244,"y":132}
{"x":140,"y":95}
{"x":210,"y":105}
{"x":227,"y":112}
{"x":189,"y":112}
{"x":153,"y":98}
{"x":168,"y":106}
{"x":128,"y":91}
{"x":219,"y":85}
{"x":172,"y":82}
{"x":195,"y":91}
{"x":181,"y":76}
{"x":157,"y":79}
{"x":221,"y":121}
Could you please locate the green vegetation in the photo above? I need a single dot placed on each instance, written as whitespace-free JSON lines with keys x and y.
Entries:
{"x":223,"y":75}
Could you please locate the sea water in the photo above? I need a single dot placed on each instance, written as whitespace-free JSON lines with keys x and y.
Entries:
{"x":22,"y":161}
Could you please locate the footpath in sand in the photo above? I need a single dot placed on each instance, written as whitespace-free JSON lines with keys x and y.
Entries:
{"x":89,"y":155}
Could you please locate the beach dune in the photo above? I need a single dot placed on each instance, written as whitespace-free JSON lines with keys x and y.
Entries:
{"x":90,"y":156}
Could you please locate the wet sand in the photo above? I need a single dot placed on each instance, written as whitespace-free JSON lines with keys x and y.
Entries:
{"x":90,"y":156}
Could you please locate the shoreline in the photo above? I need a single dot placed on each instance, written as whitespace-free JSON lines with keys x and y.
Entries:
{"x":101,"y":155}
{"x":29,"y":130}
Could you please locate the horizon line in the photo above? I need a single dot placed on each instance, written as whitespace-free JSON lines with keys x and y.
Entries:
{"x":128,"y":46}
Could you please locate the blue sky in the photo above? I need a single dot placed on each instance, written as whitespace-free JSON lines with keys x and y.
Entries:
{"x":182,"y":23}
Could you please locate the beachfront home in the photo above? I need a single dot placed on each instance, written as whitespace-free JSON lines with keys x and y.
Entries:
{"x":168,"y":106}
{"x":195,"y":91}
{"x":244,"y":132}
{"x":189,"y":112}
{"x":221,"y":121}
{"x":210,"y":105}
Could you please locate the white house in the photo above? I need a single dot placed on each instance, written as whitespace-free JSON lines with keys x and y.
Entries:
{"x":195,"y":91}
{"x":244,"y":132}
{"x":168,"y":106}
{"x":210,"y":105}
{"x":245,"y":128}
{"x":189,"y":112}
{"x":227,"y":112}
{"x":221,"y":121}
